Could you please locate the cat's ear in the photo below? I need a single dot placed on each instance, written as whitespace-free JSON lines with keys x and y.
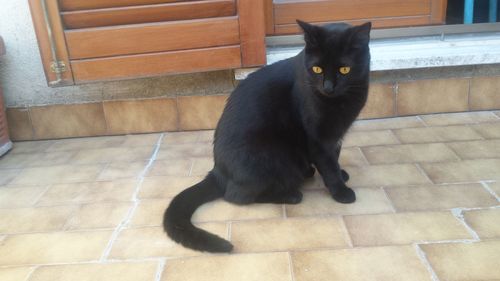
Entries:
{"x":312,"y":34}
{"x":361,"y":34}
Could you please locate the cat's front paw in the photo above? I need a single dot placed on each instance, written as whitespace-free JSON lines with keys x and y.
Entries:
{"x":344,"y":195}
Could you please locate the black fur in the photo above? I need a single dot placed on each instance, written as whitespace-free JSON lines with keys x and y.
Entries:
{"x":277,"y":123}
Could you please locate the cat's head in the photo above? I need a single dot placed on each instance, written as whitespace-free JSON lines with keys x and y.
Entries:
{"x":337,"y":57}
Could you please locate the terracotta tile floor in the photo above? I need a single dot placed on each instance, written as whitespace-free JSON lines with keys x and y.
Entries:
{"x":90,"y":209}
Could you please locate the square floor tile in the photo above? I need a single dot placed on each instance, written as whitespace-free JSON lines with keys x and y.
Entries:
{"x":6,"y":176}
{"x":464,"y":261}
{"x":131,"y":271}
{"x":58,"y":174}
{"x":57,"y":247}
{"x":98,"y":215}
{"x":385,"y":175}
{"x":463,"y":171}
{"x":15,"y":197}
{"x":360,"y":264}
{"x":87,"y":192}
{"x":488,"y":130}
{"x":15,"y":273}
{"x":440,"y":197}
{"x":249,"y":267}
{"x":166,"y":186}
{"x":477,"y":149}
{"x":367,"y":138}
{"x":459,"y":118}
{"x":387,"y":123}
{"x":288,"y":234}
{"x":175,"y":167}
{"x":409,"y":153}
{"x":22,"y":220}
{"x":404,"y":228}
{"x":484,"y":222}
{"x":221,"y":210}
{"x":121,"y":170}
{"x":437,"y":134}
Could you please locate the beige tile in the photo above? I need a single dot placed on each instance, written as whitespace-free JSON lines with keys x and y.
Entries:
{"x":149,"y":140}
{"x":176,"y":151}
{"x":62,"y":121}
{"x":497,"y":112}
{"x":206,"y":136}
{"x":385,"y":175}
{"x":15,"y":273}
{"x":149,"y":212}
{"x":174,"y":167}
{"x":76,"y":193}
{"x":409,"y":153}
{"x":484,"y":93}
{"x":23,"y":160}
{"x":201,"y":166}
{"x":24,"y":220}
{"x":448,"y":119}
{"x":367,"y":138}
{"x":360,"y":264}
{"x":314,"y":183}
{"x":15,"y":197}
{"x":120,"y":170}
{"x":181,"y":137}
{"x":19,"y":123}
{"x":477,"y":149}
{"x":58,"y":247}
{"x":404,"y":228}
{"x":131,"y":271}
{"x":464,"y":261}
{"x":352,"y":156}
{"x":436,"y":134}
{"x":484,"y":222}
{"x":387,"y":123}
{"x":249,"y":267}
{"x":98,"y":215}
{"x":148,"y":242}
{"x":200,"y":112}
{"x":380,"y":102}
{"x":463,"y":171}
{"x":117,"y":154}
{"x":58,"y":174}
{"x":165,"y":186}
{"x":488,"y":131}
{"x":32,"y":146}
{"x":440,"y":197}
{"x":141,"y":116}
{"x":432,"y":96}
{"x":320,"y":202}
{"x":288,"y":234}
{"x":6,"y":176}
{"x":87,"y":143}
{"x":221,"y":210}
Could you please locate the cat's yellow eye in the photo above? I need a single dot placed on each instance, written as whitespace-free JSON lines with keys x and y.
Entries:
{"x":317,"y":69}
{"x":344,"y":70}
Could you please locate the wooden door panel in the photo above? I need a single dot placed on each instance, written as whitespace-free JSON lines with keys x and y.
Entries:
{"x":73,"y":5}
{"x":145,"y":65}
{"x":148,"y":38}
{"x":287,"y":12}
{"x":149,"y":13}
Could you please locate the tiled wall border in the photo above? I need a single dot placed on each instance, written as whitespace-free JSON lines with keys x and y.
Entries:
{"x":388,"y":99}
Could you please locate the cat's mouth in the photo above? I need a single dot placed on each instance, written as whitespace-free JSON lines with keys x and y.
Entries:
{"x":326,"y":94}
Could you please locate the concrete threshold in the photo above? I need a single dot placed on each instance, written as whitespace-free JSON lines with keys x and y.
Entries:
{"x":416,"y":52}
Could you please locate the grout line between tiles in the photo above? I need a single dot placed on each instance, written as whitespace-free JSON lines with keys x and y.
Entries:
{"x":229,"y":230}
{"x":423,"y":258}
{"x":424,"y":173}
{"x":363,"y":155}
{"x":28,"y":277}
{"x":346,"y":232}
{"x":458,"y":214}
{"x":161,"y":268}
{"x":135,"y":200}
{"x":37,"y":200}
{"x":191,"y":167}
{"x":290,"y":266}
{"x":388,"y":199}
{"x":283,"y":210}
{"x":423,"y":121}
{"x":493,"y":193}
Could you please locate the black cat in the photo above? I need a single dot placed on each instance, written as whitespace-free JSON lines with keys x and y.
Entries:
{"x":279,"y":122}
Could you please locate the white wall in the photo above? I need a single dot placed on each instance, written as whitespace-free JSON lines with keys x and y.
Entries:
{"x":24,"y":84}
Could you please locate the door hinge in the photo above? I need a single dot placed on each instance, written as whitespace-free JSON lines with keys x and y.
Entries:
{"x":58,"y":66}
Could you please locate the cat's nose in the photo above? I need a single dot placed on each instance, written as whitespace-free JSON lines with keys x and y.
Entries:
{"x":328,"y":86}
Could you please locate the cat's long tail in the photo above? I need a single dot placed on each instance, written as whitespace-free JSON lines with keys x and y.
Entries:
{"x":177,"y":218}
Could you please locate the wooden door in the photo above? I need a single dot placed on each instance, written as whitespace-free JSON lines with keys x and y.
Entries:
{"x":101,"y":40}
